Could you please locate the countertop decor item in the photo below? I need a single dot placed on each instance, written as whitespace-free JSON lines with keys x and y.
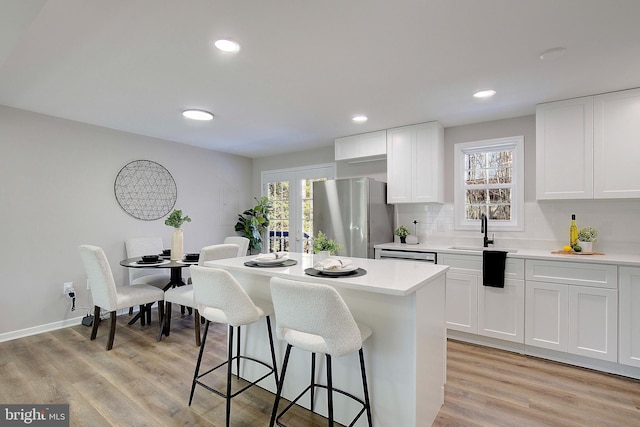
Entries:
{"x":402,"y":232}
{"x":321,"y":243}
{"x":586,"y":238}
{"x":253,"y":222}
{"x":175,"y":220}
{"x":145,"y":190}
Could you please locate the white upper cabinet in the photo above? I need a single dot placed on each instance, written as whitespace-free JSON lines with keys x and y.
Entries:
{"x":564,"y":149}
{"x":366,"y":146}
{"x":587,"y":147}
{"x":616,"y":142}
{"x":415,"y":164}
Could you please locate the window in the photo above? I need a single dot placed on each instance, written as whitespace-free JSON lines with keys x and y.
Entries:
{"x":291,"y":194}
{"x":489,"y":179}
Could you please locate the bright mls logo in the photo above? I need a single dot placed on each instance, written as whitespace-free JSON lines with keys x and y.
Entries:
{"x":39,"y":415}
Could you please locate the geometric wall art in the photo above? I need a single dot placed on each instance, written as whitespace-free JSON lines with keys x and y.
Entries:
{"x":145,"y":190}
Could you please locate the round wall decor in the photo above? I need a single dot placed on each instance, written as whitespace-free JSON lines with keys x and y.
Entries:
{"x":145,"y":190}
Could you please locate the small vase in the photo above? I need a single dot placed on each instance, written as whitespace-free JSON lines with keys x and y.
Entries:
{"x":177,"y":248}
{"x":403,"y":240}
{"x":586,"y":246}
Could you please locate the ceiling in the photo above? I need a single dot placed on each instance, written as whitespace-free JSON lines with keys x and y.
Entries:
{"x":305,"y":68}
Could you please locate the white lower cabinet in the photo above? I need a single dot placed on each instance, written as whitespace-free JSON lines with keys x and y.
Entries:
{"x":629,"y":332}
{"x":483,"y":310}
{"x":563,"y":314}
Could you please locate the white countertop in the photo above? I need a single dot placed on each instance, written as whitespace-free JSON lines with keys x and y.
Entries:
{"x":608,"y":258}
{"x":383,"y":276}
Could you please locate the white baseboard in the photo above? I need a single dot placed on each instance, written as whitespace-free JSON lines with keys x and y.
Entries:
{"x":35,"y":330}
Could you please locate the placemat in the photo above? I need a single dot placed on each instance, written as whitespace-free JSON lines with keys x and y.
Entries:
{"x":317,"y":273}
{"x":287,"y":263}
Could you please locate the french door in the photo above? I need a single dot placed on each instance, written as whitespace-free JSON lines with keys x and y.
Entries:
{"x":291,"y":194}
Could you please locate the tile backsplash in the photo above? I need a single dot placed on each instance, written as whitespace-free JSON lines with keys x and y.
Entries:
{"x":546,"y":225}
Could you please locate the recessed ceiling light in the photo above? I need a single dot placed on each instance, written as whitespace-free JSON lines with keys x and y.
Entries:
{"x":359,"y":119}
{"x":553,"y":53}
{"x":227,"y":45}
{"x":486,"y":93}
{"x":197,"y":115}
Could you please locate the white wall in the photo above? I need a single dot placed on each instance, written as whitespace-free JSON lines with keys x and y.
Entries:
{"x":57,"y":192}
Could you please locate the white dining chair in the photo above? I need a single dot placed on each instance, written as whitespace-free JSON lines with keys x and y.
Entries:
{"x":139,"y":246}
{"x":221,"y":299}
{"x":183,"y":295}
{"x":242,"y":242}
{"x":107,"y":296}
{"x":315,"y":318}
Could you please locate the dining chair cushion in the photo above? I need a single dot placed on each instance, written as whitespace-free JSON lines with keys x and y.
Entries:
{"x":129,"y":296}
{"x":328,"y":328}
{"x":220,"y":298}
{"x":182,"y":295}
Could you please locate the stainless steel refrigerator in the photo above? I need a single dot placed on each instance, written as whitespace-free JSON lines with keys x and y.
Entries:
{"x":353,"y":212}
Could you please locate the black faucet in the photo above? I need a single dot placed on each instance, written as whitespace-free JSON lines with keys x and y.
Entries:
{"x":483,"y":229}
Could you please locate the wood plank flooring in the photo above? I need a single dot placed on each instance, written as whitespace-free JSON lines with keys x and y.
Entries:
{"x":145,"y":383}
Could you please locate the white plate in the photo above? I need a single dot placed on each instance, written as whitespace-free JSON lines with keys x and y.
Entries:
{"x":337,"y":271}
{"x":270,"y":261}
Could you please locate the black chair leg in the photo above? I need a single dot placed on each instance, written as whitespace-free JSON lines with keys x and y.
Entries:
{"x":229,"y":363}
{"x":112,"y":331}
{"x":329,"y":391}
{"x":274,"y":412}
{"x":313,"y":379}
{"x":238,"y":354}
{"x":365,"y":388}
{"x":96,"y":322}
{"x":273,"y":352}
{"x":195,"y":375}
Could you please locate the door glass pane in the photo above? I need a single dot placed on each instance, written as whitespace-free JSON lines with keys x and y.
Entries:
{"x":307,"y":214}
{"x":278,"y":194}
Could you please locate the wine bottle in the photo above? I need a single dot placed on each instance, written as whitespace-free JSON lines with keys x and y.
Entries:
{"x":573,"y":231}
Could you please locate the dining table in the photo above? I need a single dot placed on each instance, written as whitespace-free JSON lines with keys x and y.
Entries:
{"x":175,"y":279}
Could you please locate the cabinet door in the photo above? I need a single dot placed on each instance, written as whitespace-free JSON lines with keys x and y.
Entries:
{"x":501,"y":311}
{"x":428,"y":163}
{"x":616,"y":148}
{"x":373,"y":144}
{"x":347,"y":147}
{"x":399,"y":161}
{"x":593,"y":317}
{"x":564,"y":149}
{"x":629,"y":337}
{"x":462,"y":302}
{"x":546,"y":320}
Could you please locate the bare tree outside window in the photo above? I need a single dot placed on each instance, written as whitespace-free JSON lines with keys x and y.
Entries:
{"x":488,"y":184}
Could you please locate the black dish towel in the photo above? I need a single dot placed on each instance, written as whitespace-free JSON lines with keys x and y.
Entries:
{"x":493,"y":268}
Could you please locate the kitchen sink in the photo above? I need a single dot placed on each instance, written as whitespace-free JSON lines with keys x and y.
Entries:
{"x":480,"y":249}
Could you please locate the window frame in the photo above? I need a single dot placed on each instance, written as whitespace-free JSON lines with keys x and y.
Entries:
{"x":515,"y":143}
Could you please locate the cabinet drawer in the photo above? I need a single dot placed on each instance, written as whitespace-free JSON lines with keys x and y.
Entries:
{"x":513,"y":269}
{"x":572,"y":273}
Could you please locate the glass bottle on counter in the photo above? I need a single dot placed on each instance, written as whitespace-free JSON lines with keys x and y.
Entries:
{"x":573,"y":231}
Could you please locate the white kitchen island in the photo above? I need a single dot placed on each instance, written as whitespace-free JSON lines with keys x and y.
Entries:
{"x":403,"y":303}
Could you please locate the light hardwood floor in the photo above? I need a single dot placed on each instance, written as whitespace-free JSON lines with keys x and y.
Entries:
{"x":145,"y":383}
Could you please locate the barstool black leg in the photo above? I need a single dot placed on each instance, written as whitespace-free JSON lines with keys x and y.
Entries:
{"x":274,"y":413}
{"x":238,"y":354}
{"x":273,"y":352}
{"x":329,"y":391}
{"x":195,"y":375}
{"x":313,"y":379}
{"x":229,"y":364}
{"x":366,"y":389}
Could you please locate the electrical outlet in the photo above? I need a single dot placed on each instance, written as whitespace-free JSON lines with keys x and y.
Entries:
{"x":68,"y":287}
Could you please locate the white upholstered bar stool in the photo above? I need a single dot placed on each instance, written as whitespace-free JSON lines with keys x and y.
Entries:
{"x":315,"y":318}
{"x":183,"y":295}
{"x":106,"y":295}
{"x":221,"y":299}
{"x":242,"y":242}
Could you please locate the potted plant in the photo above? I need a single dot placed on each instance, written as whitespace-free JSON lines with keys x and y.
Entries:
{"x":402,"y":232}
{"x":253,"y":222}
{"x":322,"y":243}
{"x":175,"y":220}
{"x":586,"y":238}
